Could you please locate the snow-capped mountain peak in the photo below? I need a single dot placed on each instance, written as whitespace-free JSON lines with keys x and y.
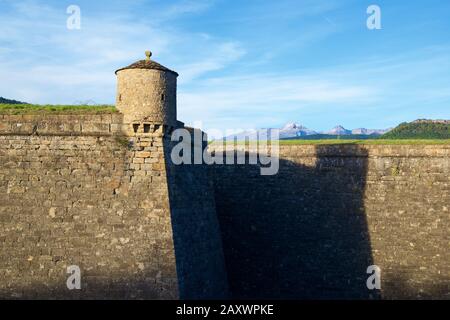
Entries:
{"x":293,"y":129}
{"x":290,"y":125}
{"x":339,"y":130}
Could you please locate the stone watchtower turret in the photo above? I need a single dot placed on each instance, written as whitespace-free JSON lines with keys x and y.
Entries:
{"x":147,"y":94}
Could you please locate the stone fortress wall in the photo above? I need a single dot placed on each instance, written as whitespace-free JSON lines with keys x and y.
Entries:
{"x":100,"y":191}
{"x":73,"y":194}
{"x":312,"y":230}
{"x":74,"y":190}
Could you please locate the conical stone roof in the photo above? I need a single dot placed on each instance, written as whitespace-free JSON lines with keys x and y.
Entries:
{"x":147,"y":64}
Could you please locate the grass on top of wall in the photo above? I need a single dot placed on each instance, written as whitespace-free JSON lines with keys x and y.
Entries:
{"x":357,"y":142}
{"x":71,"y":109}
{"x":369,"y":142}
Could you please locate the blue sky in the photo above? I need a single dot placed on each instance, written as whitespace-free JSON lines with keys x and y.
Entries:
{"x":242,"y":64}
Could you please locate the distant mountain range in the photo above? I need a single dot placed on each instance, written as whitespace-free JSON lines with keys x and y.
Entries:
{"x":294,"y":130}
{"x":341,"y":131}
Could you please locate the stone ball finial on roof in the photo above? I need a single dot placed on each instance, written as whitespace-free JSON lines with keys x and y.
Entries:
{"x":148,"y":54}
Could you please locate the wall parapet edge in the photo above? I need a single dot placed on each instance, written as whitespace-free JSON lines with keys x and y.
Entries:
{"x":343,"y":150}
{"x":61,"y":124}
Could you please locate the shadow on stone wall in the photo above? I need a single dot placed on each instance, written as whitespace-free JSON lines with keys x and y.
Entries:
{"x":300,"y":234}
{"x":198,"y":245}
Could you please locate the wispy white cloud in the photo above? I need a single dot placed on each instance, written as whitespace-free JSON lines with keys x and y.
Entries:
{"x":44,"y":62}
{"x":32,"y":9}
{"x":187,"y":6}
{"x":248,"y":101}
{"x":216,"y":58}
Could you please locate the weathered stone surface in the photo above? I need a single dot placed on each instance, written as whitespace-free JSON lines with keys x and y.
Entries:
{"x":312,"y":230}
{"x":60,"y":205}
{"x":80,"y":193}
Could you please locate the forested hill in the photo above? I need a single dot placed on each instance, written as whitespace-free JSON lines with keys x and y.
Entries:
{"x":8,"y":101}
{"x":420,"y":129}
